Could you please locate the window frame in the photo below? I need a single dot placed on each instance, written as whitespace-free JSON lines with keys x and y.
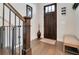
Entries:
{"x":51,"y":8}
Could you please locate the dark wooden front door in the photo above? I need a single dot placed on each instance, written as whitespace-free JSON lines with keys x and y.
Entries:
{"x":50,"y":21}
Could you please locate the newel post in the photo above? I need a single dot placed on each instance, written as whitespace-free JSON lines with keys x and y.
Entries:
{"x":26,"y":36}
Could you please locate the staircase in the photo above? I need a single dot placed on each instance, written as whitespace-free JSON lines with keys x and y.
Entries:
{"x":11,"y":31}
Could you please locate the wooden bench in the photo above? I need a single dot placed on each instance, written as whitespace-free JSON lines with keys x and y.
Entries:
{"x":71,"y":41}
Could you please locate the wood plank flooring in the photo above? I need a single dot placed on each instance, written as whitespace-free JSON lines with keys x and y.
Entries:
{"x":6,"y":51}
{"x":41,"y":48}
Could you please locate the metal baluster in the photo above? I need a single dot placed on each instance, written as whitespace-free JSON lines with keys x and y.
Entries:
{"x":3,"y":14}
{"x":9,"y":30}
{"x":14,"y":38}
{"x":13,"y":41}
{"x":7,"y":36}
{"x":15,"y":34}
{"x":2,"y":29}
{"x":19,"y":36}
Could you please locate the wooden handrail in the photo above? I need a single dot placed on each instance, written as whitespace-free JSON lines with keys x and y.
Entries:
{"x":14,"y":11}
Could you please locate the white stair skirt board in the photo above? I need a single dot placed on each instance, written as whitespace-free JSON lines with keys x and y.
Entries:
{"x":49,"y":41}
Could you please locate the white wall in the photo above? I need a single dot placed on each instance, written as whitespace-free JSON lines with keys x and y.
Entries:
{"x":34,"y":21}
{"x":77,"y":21}
{"x":41,"y":17}
{"x":65,"y":23}
{"x":21,"y":7}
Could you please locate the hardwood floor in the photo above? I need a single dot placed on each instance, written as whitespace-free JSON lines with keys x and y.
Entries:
{"x":41,"y":48}
{"x":6,"y":51}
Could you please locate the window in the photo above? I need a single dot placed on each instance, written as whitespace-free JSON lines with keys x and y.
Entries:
{"x":46,"y":10}
{"x":49,"y":8}
{"x":53,"y":8}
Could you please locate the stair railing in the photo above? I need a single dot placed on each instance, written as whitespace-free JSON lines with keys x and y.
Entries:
{"x":11,"y":35}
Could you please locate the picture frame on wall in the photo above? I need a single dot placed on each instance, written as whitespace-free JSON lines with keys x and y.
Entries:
{"x":29,"y":11}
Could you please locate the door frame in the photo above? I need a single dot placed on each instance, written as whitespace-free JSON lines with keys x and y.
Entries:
{"x":56,"y":16}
